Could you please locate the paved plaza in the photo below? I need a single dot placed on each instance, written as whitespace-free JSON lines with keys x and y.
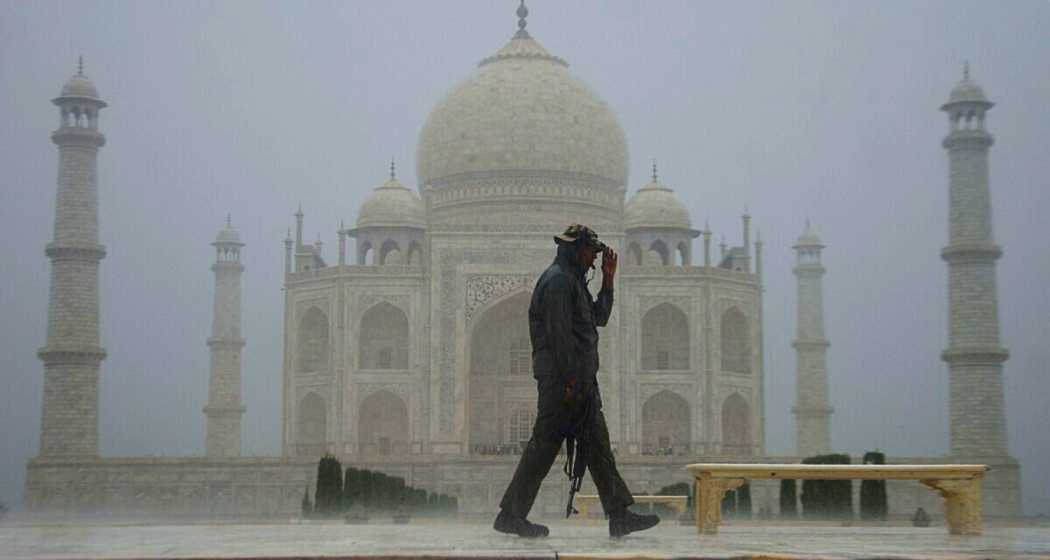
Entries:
{"x":569,"y":539}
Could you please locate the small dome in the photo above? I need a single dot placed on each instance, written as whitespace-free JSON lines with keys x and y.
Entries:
{"x":809,"y":237}
{"x":392,"y":204}
{"x":79,"y":86}
{"x":228,"y":234}
{"x":967,"y":90}
{"x":655,"y":205}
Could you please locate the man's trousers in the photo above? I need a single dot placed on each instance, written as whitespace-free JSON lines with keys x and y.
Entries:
{"x":554,"y":416}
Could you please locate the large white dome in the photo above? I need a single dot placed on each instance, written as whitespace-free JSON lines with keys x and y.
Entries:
{"x":522,"y":114}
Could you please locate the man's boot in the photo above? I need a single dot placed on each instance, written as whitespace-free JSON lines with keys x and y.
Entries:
{"x":514,"y":525}
{"x":625,"y":521}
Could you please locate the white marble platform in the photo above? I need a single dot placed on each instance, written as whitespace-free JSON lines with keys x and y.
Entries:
{"x":569,"y":539}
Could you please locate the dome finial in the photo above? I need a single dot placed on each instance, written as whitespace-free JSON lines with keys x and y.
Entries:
{"x":229,"y":224}
{"x":966,"y":70}
{"x":654,"y":170}
{"x":523,"y":12}
{"x":80,"y":65}
{"x":393,"y":173}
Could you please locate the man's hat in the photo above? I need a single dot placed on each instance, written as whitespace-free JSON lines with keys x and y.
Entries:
{"x":577,"y":232}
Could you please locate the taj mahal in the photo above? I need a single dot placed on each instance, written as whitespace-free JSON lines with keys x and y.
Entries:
{"x":408,"y":351}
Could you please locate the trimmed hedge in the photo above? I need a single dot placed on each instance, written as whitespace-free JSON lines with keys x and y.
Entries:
{"x":788,"y":499}
{"x":370,"y":491}
{"x":827,"y":499}
{"x":306,"y":506}
{"x":873,"y":502}
{"x":328,"y":495}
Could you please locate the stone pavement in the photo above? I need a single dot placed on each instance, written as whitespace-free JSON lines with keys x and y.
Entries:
{"x":568,"y":540}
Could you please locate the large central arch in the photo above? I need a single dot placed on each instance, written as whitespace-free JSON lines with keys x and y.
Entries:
{"x":501,"y":385}
{"x":383,"y":425}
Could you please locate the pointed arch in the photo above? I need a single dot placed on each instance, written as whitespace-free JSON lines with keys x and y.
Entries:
{"x":384,"y":338}
{"x":390,"y":253}
{"x":665,"y":339}
{"x":736,"y":426}
{"x":519,"y":426}
{"x":382,"y":425}
{"x":634,"y":254}
{"x":415,"y":253}
{"x":658,"y":254}
{"x":312,"y":342}
{"x":365,"y":253}
{"x":736,"y":341}
{"x":311,"y":426}
{"x":682,"y":257}
{"x":666,"y":424}
{"x":500,"y":357}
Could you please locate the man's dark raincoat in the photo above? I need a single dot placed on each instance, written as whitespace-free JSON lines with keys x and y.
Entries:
{"x":563,"y":327}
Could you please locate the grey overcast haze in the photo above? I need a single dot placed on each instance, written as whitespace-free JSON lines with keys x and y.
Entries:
{"x":792,"y":110}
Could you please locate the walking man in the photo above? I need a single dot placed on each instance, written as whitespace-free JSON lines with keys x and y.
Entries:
{"x":563,"y":328}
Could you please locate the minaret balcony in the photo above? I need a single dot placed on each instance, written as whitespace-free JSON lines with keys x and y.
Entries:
{"x":69,"y":355}
{"x":87,"y":252}
{"x":971,"y":253}
{"x":222,"y":343}
{"x":973,"y":355}
{"x":78,"y":136}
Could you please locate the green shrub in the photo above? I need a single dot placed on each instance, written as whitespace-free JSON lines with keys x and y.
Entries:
{"x":306,"y":506}
{"x":873,"y":503}
{"x":729,"y":504}
{"x":788,"y":499}
{"x":328,"y":496}
{"x":827,"y":499}
{"x":743,"y":501}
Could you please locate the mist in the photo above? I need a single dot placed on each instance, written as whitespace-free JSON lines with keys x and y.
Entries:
{"x":818,"y":110}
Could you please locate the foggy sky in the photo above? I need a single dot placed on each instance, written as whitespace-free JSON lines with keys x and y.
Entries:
{"x":826,"y":110}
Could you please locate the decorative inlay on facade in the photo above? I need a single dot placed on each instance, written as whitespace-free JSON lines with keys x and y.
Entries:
{"x":364,"y":390}
{"x":482,"y":288}
{"x":683,"y":303}
{"x":684,"y":390}
{"x":401,"y":301}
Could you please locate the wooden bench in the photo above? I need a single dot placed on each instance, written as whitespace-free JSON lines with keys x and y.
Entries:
{"x":959,"y":485}
{"x":584,"y":502}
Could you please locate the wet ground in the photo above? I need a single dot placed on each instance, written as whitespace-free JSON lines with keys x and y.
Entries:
{"x":568,"y":540}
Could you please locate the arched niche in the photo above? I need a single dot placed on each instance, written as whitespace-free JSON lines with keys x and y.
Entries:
{"x":500,"y":357}
{"x":312,"y":342}
{"x":665,"y":339}
{"x":666,"y":425}
{"x":311,"y":426}
{"x":382,"y":425}
{"x":736,"y":426}
{"x":384,"y":338}
{"x":736,"y":342}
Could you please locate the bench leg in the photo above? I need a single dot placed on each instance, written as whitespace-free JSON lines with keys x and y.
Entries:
{"x":962,"y":504}
{"x":709,"y":495}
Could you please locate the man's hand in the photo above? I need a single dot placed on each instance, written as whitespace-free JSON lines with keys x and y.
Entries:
{"x":609,"y":260}
{"x":578,"y":390}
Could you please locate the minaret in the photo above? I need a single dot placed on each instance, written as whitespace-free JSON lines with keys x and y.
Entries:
{"x":812,"y":407}
{"x":975,"y":356}
{"x":224,"y":409}
{"x":72,"y":354}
